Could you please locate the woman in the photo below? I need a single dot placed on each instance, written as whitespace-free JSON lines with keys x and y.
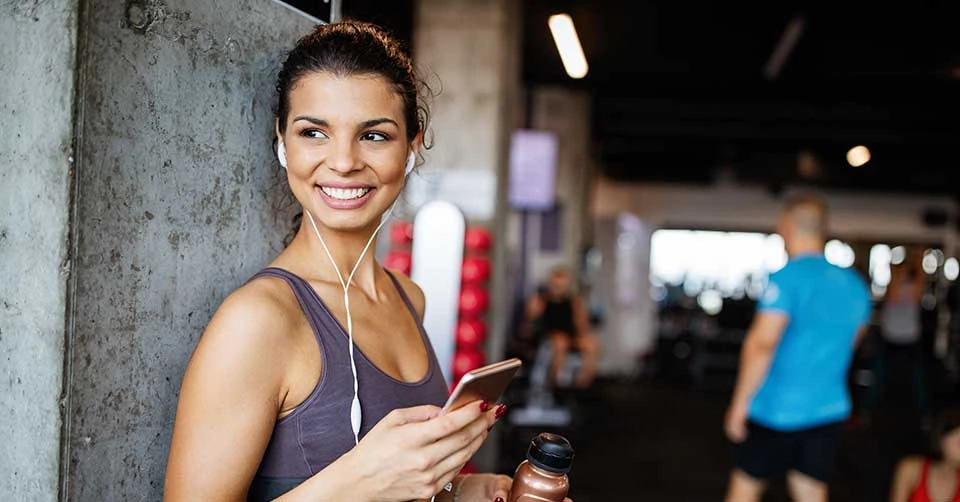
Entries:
{"x":920,"y":479}
{"x":266,"y":408}
{"x":900,"y":331}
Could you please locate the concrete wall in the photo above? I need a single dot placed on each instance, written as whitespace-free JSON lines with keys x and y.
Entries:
{"x":37,"y":56}
{"x":468,"y":51}
{"x":180,"y":200}
{"x":567,"y":113}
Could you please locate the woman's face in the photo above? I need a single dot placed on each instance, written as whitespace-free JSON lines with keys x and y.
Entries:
{"x":346,"y":148}
{"x":950,"y":444}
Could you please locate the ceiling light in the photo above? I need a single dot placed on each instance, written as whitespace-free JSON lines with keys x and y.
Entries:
{"x":568,"y":44}
{"x":858,"y":156}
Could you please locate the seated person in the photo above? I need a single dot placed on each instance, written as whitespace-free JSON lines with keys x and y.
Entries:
{"x":556,"y":313}
{"x":934,"y":479}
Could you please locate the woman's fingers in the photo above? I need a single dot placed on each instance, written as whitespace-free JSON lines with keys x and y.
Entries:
{"x":452,"y":453}
{"x":449,"y":424}
{"x":501,"y":487}
{"x":404,"y":416}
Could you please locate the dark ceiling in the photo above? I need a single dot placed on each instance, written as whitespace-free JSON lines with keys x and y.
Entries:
{"x":679,"y":90}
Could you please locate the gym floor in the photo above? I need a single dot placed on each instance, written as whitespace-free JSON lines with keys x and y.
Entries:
{"x":662,"y":441}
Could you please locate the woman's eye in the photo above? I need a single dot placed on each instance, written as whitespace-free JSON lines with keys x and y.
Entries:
{"x":374,"y":136}
{"x":314,"y":133}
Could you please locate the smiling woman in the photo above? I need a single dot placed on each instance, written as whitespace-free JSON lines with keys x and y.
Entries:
{"x":315,"y":380}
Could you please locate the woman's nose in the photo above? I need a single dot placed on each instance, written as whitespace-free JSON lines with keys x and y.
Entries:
{"x":343,"y":159}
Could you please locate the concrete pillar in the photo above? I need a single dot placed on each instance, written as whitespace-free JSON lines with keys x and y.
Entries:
{"x":180,"y":201}
{"x":469,"y":51}
{"x":37,"y":57}
{"x":567,"y":113}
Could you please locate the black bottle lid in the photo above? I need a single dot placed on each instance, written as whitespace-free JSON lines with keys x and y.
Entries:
{"x":551,"y":452}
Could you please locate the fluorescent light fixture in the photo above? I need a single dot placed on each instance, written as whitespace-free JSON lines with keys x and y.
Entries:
{"x":568,"y":44}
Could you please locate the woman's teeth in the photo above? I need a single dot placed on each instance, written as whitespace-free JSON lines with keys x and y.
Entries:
{"x":345,"y":193}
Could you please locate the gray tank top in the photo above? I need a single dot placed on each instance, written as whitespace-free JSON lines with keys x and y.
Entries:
{"x":900,"y":319}
{"x":318,"y":431}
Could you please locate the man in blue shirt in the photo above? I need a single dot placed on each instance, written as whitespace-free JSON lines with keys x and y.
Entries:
{"x":791,"y":395}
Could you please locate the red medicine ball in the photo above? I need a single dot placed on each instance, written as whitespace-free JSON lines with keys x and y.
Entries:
{"x":401,"y":233}
{"x":477,"y":239}
{"x":465,"y":361}
{"x":473,"y":301}
{"x":399,"y":260}
{"x":476,"y":269}
{"x":471,"y":333}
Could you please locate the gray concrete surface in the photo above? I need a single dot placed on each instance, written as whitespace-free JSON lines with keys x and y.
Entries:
{"x":36,"y":115}
{"x":180,"y":201}
{"x":566,"y":113}
{"x":469,"y":53}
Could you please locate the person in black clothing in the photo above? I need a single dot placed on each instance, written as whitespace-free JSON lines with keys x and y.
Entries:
{"x":560,"y":316}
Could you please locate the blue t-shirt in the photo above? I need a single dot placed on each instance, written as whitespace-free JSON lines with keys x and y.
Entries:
{"x":807,"y":382}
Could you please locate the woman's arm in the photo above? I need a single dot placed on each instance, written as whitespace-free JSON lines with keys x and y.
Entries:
{"x":230,"y":398}
{"x":905,"y":479}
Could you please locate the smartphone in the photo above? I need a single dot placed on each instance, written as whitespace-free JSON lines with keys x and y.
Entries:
{"x":487,"y":383}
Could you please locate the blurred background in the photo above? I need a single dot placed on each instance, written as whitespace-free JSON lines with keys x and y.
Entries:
{"x":644,"y":145}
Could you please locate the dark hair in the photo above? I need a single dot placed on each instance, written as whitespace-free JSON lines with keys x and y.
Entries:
{"x":354,"y":48}
{"x":946,"y":422}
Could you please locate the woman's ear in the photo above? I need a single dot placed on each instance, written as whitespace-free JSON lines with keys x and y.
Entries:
{"x":416,"y":144}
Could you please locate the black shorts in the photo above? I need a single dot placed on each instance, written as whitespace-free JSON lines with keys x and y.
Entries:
{"x":768,"y":454}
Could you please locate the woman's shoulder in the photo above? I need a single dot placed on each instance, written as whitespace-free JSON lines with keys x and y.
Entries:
{"x":911,"y":467}
{"x":259,"y":312}
{"x":412,"y":290}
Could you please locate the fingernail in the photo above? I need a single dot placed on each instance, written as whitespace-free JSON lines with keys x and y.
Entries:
{"x":500,"y":411}
{"x":484,"y":406}
{"x":498,"y":499}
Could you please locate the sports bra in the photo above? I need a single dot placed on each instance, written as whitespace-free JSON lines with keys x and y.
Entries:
{"x":920,"y":493}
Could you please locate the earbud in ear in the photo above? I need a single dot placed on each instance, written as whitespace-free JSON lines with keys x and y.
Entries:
{"x":282,"y":154}
{"x":411,"y":163}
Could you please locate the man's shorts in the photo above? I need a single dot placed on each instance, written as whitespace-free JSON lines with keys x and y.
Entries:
{"x":768,"y":454}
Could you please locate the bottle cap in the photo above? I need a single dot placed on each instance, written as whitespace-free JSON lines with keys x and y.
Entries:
{"x":551,"y":452}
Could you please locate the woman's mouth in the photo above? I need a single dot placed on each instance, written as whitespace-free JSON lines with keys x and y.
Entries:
{"x":345,"y":193}
{"x":349,"y":197}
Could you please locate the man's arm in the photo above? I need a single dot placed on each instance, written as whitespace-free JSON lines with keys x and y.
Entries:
{"x":755,"y":357}
{"x":531,"y":313}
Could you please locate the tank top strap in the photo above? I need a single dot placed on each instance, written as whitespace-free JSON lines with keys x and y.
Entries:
{"x":322,"y":322}
{"x":404,"y":297}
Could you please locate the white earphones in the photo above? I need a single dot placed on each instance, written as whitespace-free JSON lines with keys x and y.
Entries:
{"x":282,"y":154}
{"x":411,"y":163}
{"x":356,"y":413}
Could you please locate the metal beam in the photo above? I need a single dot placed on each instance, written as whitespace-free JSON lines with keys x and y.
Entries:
{"x":788,"y":40}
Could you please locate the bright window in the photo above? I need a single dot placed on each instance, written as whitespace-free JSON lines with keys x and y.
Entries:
{"x":729,"y":263}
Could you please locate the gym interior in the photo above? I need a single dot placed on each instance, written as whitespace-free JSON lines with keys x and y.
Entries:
{"x":643,"y":154}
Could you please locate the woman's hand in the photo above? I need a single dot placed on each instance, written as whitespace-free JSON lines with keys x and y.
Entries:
{"x":413,"y":452}
{"x":486,"y":488}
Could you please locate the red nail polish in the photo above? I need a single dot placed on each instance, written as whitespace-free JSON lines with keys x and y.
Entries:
{"x":484,"y":406}
{"x":500,"y":411}
{"x":498,"y":499}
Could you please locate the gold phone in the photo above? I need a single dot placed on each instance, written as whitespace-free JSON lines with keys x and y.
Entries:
{"x":487,"y":383}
